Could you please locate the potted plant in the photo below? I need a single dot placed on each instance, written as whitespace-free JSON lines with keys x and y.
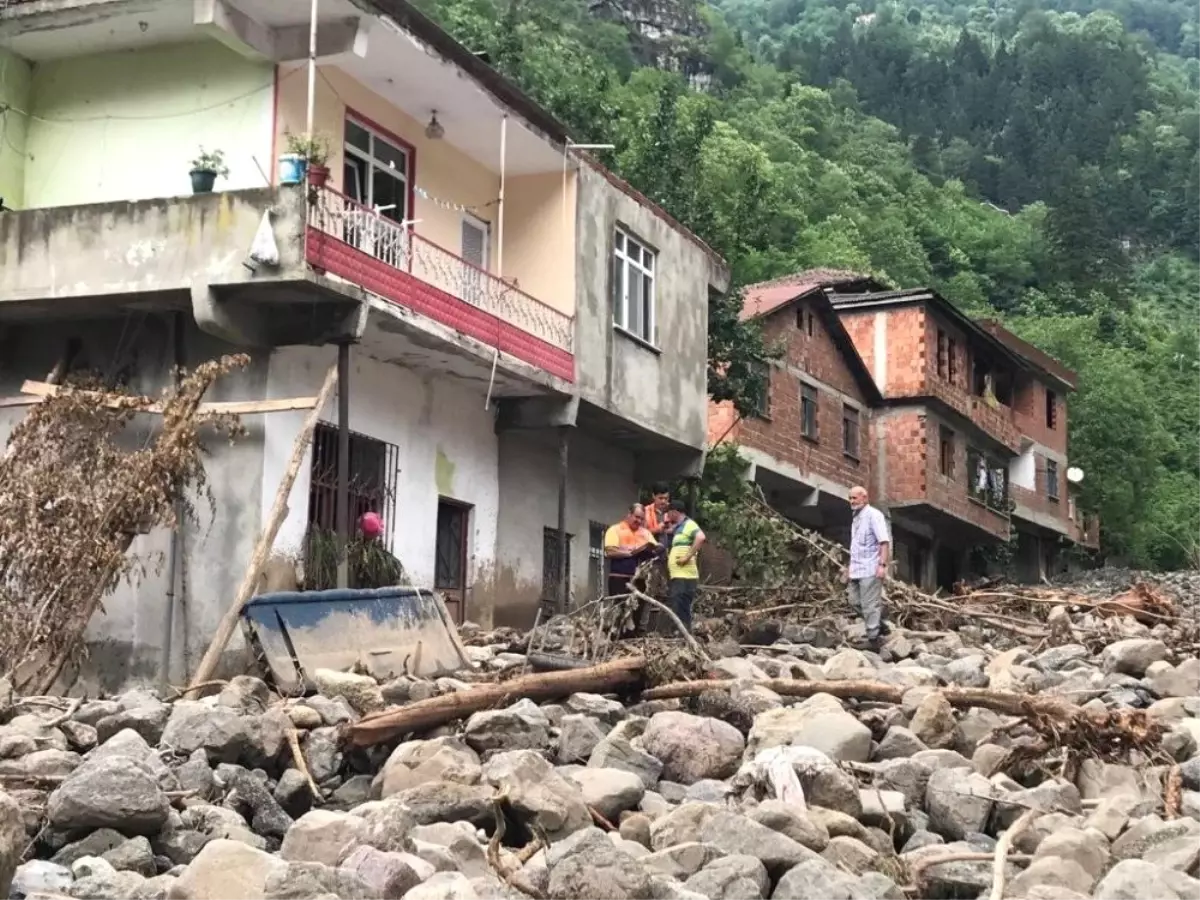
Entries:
{"x":205,"y":169}
{"x":305,"y":155}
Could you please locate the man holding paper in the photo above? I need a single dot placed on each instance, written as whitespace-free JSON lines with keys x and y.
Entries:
{"x":626,"y":545}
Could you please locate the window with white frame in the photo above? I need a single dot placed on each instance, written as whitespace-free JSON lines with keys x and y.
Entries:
{"x":376,"y":171}
{"x":633,"y":286}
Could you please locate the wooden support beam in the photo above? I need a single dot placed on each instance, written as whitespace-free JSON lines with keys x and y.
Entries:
{"x":37,"y":391}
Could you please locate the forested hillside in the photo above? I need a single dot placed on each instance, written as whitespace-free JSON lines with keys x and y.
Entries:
{"x":1038,"y":161}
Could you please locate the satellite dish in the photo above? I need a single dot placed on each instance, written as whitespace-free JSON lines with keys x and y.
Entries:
{"x":1074,"y":475}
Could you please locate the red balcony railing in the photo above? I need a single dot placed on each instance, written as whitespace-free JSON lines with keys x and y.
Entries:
{"x":385,"y":257}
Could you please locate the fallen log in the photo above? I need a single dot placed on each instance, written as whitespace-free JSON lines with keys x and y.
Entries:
{"x":425,"y":714}
{"x":1106,"y":733}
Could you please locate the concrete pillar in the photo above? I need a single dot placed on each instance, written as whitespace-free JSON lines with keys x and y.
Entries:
{"x":15,"y":94}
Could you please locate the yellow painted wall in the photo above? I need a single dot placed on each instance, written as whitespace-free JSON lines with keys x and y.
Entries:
{"x":125,"y":126}
{"x":15,"y":76}
{"x":539,"y":241}
{"x":532,"y":220}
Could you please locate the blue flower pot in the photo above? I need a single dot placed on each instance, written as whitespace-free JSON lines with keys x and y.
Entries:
{"x":202,"y":181}
{"x":292,"y":168}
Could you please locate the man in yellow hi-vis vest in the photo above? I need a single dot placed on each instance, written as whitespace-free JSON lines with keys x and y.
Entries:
{"x":683,"y":539}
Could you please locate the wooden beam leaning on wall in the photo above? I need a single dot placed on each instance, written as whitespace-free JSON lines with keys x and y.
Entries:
{"x":35,"y":392}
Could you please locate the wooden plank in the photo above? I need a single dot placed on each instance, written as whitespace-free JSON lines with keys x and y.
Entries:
{"x":37,"y":391}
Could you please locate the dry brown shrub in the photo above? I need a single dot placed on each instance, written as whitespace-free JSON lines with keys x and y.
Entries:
{"x":74,"y":491}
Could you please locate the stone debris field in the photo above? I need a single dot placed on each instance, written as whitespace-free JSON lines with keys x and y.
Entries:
{"x":794,"y":769}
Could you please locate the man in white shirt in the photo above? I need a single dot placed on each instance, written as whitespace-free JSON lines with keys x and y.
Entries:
{"x":870,"y":552}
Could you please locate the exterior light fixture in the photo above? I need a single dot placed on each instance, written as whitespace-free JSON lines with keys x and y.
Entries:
{"x":434,"y":130}
{"x":1074,"y":475}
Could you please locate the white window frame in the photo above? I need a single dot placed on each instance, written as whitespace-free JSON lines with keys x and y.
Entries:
{"x":483,"y":226}
{"x":624,"y":264}
{"x":364,"y":231}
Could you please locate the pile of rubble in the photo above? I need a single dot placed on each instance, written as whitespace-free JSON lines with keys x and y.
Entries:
{"x":789,"y":771}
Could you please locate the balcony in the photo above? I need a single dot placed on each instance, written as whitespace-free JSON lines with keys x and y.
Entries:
{"x":388,"y":259}
{"x":1035,"y":507}
{"x":988,"y":485}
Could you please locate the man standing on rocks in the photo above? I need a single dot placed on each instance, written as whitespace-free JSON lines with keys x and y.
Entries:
{"x":683,"y":543}
{"x":870,"y":552}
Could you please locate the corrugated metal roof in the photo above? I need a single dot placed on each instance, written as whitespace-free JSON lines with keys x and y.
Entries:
{"x":767,"y":296}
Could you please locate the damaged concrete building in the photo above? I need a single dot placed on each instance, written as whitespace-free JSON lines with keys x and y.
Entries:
{"x":958,"y":427}
{"x":528,"y":333}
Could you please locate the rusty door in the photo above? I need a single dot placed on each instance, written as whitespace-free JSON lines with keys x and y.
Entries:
{"x":450,"y":566}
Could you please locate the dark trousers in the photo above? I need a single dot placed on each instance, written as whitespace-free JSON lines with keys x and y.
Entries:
{"x":681,"y":598}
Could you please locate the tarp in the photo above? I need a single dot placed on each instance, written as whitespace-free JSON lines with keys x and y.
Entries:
{"x":386,"y":631}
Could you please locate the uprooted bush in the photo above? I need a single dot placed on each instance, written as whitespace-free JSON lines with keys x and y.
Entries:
{"x":75,"y":488}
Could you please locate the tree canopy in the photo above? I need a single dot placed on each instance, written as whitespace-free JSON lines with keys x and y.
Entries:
{"x":1036,"y":160}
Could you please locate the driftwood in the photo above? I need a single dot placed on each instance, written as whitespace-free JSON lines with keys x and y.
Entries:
{"x":1107,"y":733}
{"x":266,"y":540}
{"x":426,"y":714}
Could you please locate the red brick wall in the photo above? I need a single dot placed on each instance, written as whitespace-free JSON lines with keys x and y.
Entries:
{"x":950,"y":493}
{"x":1029,"y":415}
{"x":779,"y":435}
{"x":861,"y":328}
{"x":905,"y":449}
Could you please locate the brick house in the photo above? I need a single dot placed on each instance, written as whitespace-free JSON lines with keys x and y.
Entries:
{"x":957,"y":427}
{"x":811,"y":439}
{"x":1045,"y":516}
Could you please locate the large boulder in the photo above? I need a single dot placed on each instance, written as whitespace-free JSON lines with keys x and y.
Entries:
{"x":1132,"y":656}
{"x":112,"y":792}
{"x":588,"y":864}
{"x":609,"y":791}
{"x":819,"y":722}
{"x":731,"y":878}
{"x":738,"y":835}
{"x":958,"y":801}
{"x":819,"y":878}
{"x":617,"y":752}
{"x":360,"y":691}
{"x":535,"y":790}
{"x":693,"y":748}
{"x":226,"y":735}
{"x":1134,"y":879}
{"x":522,"y":726}
{"x":323,"y":836}
{"x":419,"y":762}
{"x":12,"y":841}
{"x":225,"y":869}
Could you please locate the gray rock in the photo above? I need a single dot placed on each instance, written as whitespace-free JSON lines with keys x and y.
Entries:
{"x":1060,"y":796}
{"x":616,"y":752}
{"x":588,"y":864}
{"x":360,"y":691}
{"x":39,"y":876}
{"x":816,"y":878}
{"x":682,"y":861}
{"x":388,"y":876}
{"x":933,"y":723}
{"x":536,"y":791}
{"x":522,"y":726}
{"x":97,"y":843}
{"x":898,"y":743}
{"x":966,"y":671}
{"x":609,"y":791}
{"x":1134,"y":879}
{"x":225,"y":869}
{"x":850,"y":854}
{"x":1132,"y":656}
{"x":908,"y":776}
{"x":352,"y":792}
{"x":148,"y":721}
{"x":448,"y":801}
{"x":133,"y":855}
{"x":682,"y":825}
{"x":459,"y":840}
{"x":707,"y":790}
{"x":293,"y":793}
{"x":226,"y":736}
{"x":790,"y":822}
{"x":731,"y":878}
{"x":819,"y":722}
{"x":12,"y":841}
{"x":959,"y":878}
{"x":594,"y":706}
{"x":577,"y":738}
{"x":389,"y":826}
{"x":323,"y":836}
{"x":421,"y":762}
{"x":635,"y":827}
{"x":1171,"y":845}
{"x":245,"y":694}
{"x":444,"y":886}
{"x":958,"y":801}
{"x":314,"y":881}
{"x":693,"y":748}
{"x":196,"y":775}
{"x":111,"y":792}
{"x":738,"y":835}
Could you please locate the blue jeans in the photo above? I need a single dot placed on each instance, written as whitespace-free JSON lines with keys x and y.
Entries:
{"x":681,"y":597}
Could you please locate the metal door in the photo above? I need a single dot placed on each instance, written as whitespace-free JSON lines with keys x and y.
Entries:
{"x":450,"y":565}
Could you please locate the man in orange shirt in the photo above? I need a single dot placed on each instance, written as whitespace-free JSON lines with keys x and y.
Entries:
{"x":656,"y":512}
{"x":626,"y":545}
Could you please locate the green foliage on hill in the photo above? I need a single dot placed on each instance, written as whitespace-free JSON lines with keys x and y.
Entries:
{"x":1034,"y":162}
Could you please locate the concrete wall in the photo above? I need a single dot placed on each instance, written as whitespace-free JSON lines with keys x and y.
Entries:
{"x":446,"y":445}
{"x":662,"y":387}
{"x":538,"y":248}
{"x":126,"y":126}
{"x":120,"y":248}
{"x":124,"y":643}
{"x":600,"y":487}
{"x":16,"y":76}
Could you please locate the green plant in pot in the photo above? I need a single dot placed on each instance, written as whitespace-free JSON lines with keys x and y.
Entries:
{"x":205,"y":169}
{"x":305,"y":154}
